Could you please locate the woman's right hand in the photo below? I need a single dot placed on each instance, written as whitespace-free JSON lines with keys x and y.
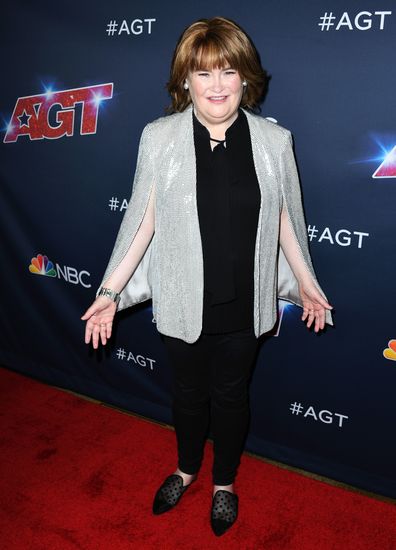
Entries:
{"x":99,"y":317}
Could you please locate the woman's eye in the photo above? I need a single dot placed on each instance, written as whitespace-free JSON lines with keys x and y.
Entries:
{"x":203,"y":74}
{"x":230,"y":72}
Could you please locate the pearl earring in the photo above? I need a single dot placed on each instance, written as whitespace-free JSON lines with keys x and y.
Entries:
{"x":185,"y":86}
{"x":244,"y":83}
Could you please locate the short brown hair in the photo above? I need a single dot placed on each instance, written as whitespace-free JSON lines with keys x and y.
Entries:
{"x":216,"y":43}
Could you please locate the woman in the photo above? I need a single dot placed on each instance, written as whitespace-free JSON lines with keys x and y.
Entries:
{"x":215,"y":193}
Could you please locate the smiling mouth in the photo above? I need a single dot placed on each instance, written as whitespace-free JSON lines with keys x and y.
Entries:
{"x":217,"y":98}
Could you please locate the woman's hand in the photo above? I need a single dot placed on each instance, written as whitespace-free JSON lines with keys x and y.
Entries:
{"x":314,"y":305}
{"x":99,"y":317}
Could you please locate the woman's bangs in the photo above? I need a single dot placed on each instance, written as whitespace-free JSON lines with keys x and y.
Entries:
{"x":209,"y":56}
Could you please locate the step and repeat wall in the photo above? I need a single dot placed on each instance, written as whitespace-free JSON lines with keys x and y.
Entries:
{"x":80,"y":81}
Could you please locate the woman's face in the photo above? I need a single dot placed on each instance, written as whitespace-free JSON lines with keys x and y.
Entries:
{"x":216,"y":94}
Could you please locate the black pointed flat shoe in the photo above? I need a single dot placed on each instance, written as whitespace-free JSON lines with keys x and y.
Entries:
{"x":224,"y":511}
{"x":169,"y":494}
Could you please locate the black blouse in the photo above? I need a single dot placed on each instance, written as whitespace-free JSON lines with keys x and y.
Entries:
{"x":228,"y":202}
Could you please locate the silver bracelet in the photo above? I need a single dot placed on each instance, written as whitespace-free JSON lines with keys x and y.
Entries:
{"x":112,"y":294}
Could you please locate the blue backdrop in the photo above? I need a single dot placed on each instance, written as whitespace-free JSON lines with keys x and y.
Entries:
{"x":80,"y":81}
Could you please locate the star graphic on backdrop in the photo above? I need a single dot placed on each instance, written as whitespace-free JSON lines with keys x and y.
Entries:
{"x":25,"y":118}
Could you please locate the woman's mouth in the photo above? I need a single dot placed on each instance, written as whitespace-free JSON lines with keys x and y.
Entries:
{"x":217,"y":98}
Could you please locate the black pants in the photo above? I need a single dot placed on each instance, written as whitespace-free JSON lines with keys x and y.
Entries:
{"x":211,"y":387}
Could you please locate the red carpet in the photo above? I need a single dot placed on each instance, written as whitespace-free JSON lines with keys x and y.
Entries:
{"x":79,"y":475}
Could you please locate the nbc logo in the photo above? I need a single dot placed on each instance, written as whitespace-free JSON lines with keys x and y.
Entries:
{"x":390,"y":351}
{"x":41,"y":265}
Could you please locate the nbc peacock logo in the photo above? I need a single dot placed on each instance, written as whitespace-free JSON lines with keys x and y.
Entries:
{"x":390,"y":351}
{"x":41,"y":265}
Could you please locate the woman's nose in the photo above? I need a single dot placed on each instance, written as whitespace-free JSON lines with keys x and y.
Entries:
{"x":217,"y":83}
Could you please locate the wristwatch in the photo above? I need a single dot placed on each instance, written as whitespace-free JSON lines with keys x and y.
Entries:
{"x":115,"y":296}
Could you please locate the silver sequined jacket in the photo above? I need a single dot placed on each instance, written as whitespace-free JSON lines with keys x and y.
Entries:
{"x":171,"y":270}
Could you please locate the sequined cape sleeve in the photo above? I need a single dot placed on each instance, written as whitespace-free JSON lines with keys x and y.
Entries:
{"x":142,"y":184}
{"x":292,"y":199}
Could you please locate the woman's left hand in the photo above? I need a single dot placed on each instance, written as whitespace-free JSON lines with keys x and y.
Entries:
{"x":314,"y":305}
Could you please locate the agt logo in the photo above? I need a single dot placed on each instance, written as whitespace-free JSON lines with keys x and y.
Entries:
{"x":387,"y":168}
{"x":31,"y":115}
{"x":362,"y":21}
{"x":41,"y":265}
{"x":141,"y":360}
